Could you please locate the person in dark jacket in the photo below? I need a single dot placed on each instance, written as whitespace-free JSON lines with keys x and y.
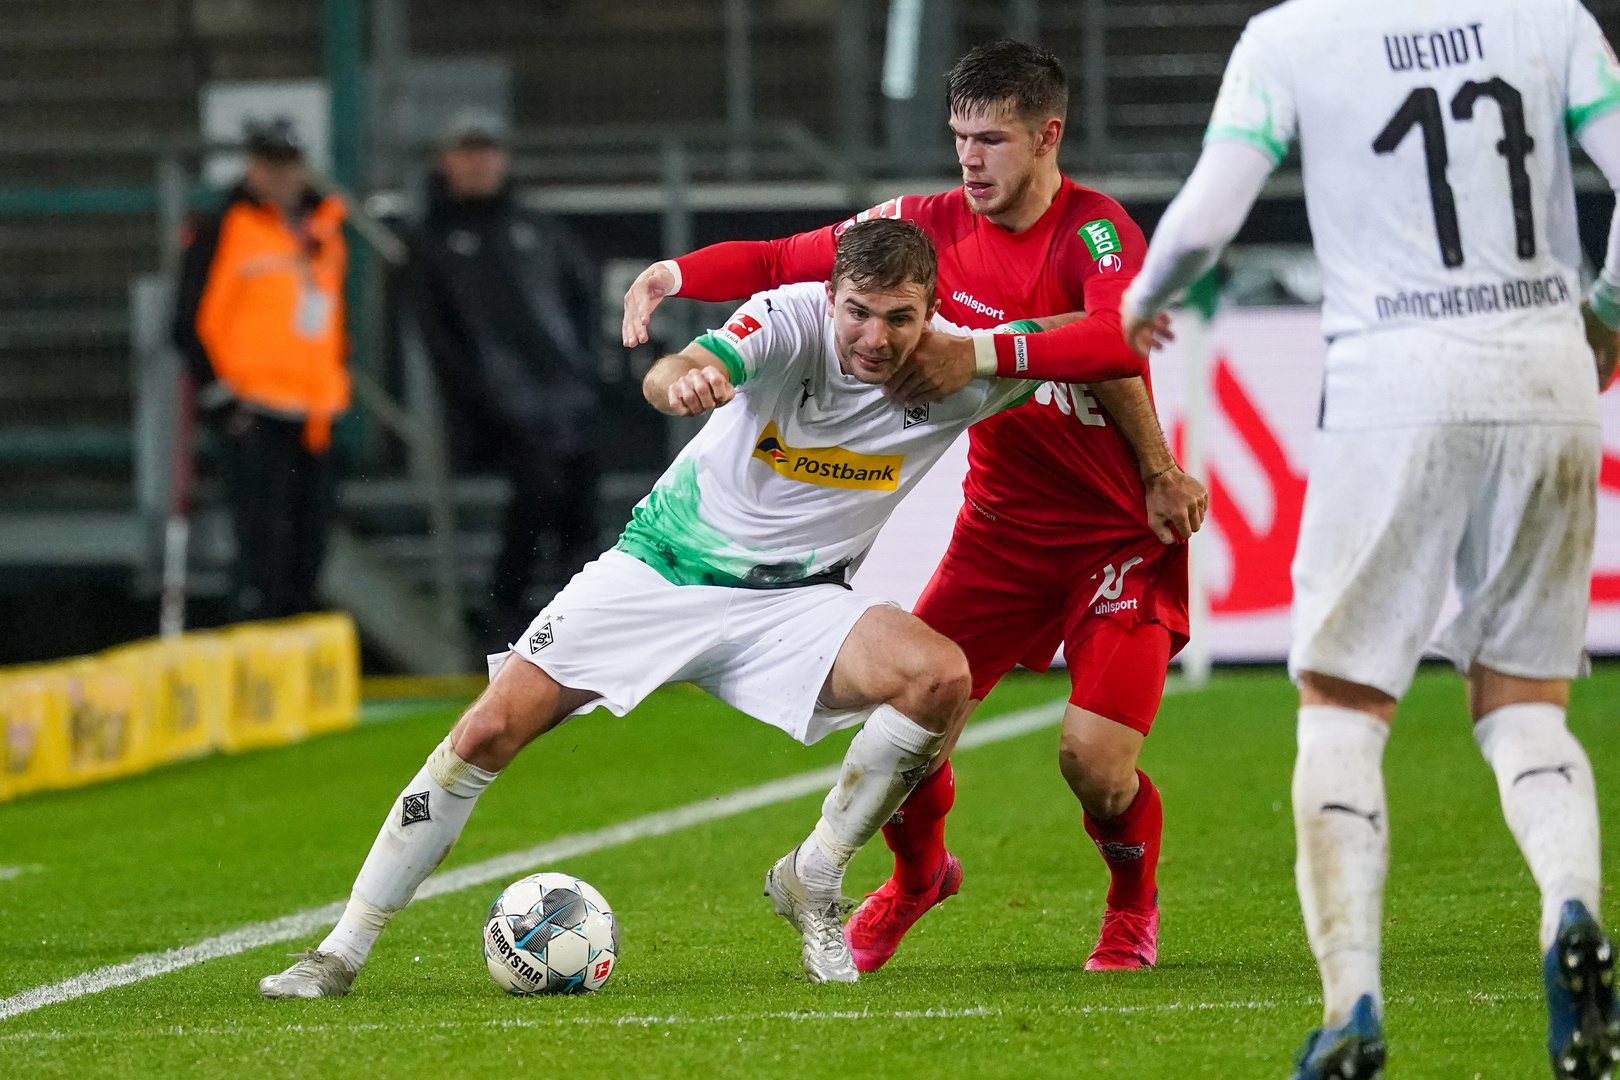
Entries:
{"x":502,"y":298}
{"x":259,"y":317}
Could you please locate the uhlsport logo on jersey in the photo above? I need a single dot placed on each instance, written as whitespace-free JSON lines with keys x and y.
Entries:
{"x":1102,"y":240}
{"x":828,"y":466}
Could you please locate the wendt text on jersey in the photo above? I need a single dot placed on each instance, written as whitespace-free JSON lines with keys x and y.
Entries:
{"x":1436,"y":49}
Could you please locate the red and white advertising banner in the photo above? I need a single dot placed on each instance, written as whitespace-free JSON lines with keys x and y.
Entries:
{"x":1264,"y":386}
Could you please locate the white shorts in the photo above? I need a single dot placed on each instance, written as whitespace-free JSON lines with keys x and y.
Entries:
{"x":1508,"y":511}
{"x":621,"y":630}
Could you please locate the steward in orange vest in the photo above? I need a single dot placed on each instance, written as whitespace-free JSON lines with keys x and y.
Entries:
{"x":262,"y":306}
{"x":259,"y":316}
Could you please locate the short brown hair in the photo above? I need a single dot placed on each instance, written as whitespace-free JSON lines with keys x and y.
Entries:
{"x":1010,"y":74}
{"x":883,"y":254}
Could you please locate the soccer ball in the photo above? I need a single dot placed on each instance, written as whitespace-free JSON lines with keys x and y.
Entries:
{"x":550,"y":934}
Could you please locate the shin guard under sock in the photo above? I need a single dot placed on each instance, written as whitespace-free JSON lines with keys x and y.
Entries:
{"x":886,"y":759}
{"x":1129,"y":844}
{"x":1341,"y":826}
{"x":1550,"y":802}
{"x":916,"y":832}
{"x":422,"y":826}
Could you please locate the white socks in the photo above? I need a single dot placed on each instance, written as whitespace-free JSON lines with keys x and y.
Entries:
{"x":1550,"y":803}
{"x":1342,"y":828}
{"x":887,"y":758}
{"x":422,"y":826}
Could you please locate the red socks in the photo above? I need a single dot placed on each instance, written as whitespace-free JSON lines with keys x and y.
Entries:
{"x":1130,"y":845}
{"x":916,"y":832}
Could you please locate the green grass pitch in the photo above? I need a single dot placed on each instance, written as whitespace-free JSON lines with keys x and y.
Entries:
{"x":709,"y":984}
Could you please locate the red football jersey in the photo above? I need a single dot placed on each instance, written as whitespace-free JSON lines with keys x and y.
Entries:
{"x":1055,"y":464}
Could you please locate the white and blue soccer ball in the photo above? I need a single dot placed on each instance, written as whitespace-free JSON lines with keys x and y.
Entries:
{"x":550,"y":934}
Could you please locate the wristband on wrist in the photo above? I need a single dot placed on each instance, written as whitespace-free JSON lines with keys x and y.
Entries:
{"x":984,"y":354}
{"x":1605,"y":301}
{"x":674,"y":268}
{"x":1161,"y":472}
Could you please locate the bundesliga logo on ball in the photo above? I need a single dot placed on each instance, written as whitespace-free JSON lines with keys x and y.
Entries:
{"x":550,"y":934}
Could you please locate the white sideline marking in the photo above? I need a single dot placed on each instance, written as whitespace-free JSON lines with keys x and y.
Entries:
{"x":522,"y":1022}
{"x":500,"y":868}
{"x":7,"y":873}
{"x":798,"y":1016}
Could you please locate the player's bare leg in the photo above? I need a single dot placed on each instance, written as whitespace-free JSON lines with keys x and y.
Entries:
{"x":1342,"y":829}
{"x":521,"y":703}
{"x":1125,"y":819}
{"x":918,"y":682}
{"x":1550,"y":803}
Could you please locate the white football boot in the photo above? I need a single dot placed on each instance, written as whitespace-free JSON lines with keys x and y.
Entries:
{"x":819,"y":921}
{"x":316,"y":975}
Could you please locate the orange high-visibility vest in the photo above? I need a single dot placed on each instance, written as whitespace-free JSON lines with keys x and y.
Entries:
{"x":271,"y":314}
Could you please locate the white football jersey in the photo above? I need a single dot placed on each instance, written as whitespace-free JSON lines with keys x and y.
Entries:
{"x":791,"y":481}
{"x":1434,"y":136}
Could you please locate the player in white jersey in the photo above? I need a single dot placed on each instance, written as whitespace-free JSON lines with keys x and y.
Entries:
{"x":1459,"y":439}
{"x":732,"y":575}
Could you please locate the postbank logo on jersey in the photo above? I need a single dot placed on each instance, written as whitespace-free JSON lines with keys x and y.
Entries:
{"x":828,"y":466}
{"x":1102,"y":240}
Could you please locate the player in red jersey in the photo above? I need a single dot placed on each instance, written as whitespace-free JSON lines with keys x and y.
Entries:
{"x":1070,"y":533}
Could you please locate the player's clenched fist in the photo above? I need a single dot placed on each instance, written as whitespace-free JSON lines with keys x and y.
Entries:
{"x":646,"y":293}
{"x":700,"y":390}
{"x":1176,"y":505}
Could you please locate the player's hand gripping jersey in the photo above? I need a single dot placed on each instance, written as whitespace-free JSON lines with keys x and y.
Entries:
{"x":1436,"y":147}
{"x":790,"y":483}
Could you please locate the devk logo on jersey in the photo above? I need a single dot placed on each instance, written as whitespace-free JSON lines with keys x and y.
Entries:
{"x":1102,"y":240}
{"x":828,"y":466}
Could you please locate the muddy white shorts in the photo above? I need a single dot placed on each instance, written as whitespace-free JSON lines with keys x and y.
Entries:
{"x":1393,"y":515}
{"x":621,"y":630}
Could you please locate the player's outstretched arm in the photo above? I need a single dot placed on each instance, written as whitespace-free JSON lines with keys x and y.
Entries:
{"x":1176,"y":502}
{"x":1073,"y":347}
{"x":733,"y":270}
{"x":1195,"y":229}
{"x":689,"y":383}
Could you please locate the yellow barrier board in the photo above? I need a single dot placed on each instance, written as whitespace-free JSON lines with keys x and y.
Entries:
{"x":189,"y":686}
{"x":271,"y":688}
{"x":109,"y":719}
{"x":151,"y":702}
{"x":33,"y":718}
{"x":334,"y":672}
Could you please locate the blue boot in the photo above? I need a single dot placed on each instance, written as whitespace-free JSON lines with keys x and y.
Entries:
{"x":1583,"y":1028}
{"x":1352,"y":1051}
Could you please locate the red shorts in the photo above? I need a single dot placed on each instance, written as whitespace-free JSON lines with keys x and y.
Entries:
{"x":1007,"y":600}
